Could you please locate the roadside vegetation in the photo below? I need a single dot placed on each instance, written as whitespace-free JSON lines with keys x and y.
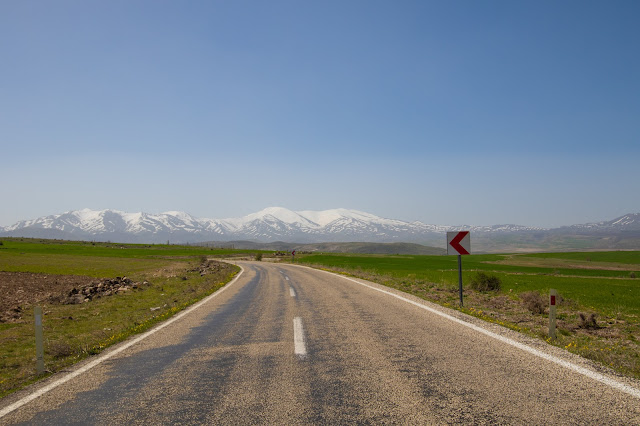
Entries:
{"x":146,"y":284}
{"x":599,"y":304}
{"x":598,"y":313}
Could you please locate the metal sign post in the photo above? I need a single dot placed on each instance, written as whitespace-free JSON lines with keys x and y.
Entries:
{"x":460,"y":278}
{"x":459,"y":243}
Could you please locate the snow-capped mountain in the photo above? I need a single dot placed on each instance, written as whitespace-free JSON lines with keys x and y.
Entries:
{"x":270,"y":224}
{"x":628,"y":222}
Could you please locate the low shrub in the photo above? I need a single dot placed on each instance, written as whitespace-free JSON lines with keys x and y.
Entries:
{"x":533,"y":301}
{"x":258,"y":257}
{"x":588,"y":322}
{"x":485,"y":282}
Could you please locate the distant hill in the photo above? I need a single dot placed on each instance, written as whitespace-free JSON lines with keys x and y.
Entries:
{"x":368,"y":248}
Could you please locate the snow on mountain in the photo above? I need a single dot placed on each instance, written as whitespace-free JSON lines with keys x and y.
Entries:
{"x":274,"y":215}
{"x":628,"y":222}
{"x":268,"y":225}
{"x":323,"y":218}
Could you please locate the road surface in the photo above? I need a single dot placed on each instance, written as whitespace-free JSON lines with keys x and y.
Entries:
{"x":285,"y":344}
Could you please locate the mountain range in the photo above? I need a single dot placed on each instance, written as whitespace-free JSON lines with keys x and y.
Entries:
{"x":336,"y":225}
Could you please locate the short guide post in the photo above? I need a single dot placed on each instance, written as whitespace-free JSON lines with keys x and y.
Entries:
{"x":39,"y":342}
{"x":553,"y":298}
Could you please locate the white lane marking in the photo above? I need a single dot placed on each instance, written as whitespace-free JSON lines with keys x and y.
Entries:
{"x":106,"y":356}
{"x":286,"y":278}
{"x":292,"y":292}
{"x":564,"y":363}
{"x":299,"y":342}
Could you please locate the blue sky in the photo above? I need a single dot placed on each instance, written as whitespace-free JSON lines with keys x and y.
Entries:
{"x":447,"y":112}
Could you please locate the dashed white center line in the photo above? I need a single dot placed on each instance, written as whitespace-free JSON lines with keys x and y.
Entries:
{"x":292,"y":292}
{"x":286,"y":278}
{"x":299,"y":342}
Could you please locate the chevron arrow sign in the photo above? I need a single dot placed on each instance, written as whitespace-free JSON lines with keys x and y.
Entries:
{"x":459,"y":242}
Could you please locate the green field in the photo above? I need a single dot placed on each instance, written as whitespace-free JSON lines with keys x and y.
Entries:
{"x":98,"y":249}
{"x":608,"y":290}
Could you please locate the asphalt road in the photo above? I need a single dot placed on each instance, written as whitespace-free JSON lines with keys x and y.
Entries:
{"x":288,"y":345}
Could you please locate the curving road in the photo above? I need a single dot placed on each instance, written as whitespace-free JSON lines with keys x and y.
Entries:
{"x":289,"y":345}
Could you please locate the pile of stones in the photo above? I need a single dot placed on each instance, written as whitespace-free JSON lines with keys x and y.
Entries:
{"x":208,"y":267}
{"x":107,"y":287}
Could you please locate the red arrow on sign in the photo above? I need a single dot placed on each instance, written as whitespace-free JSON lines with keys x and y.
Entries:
{"x":455,"y":243}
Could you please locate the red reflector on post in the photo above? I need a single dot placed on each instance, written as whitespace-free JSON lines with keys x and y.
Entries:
{"x":553,"y":300}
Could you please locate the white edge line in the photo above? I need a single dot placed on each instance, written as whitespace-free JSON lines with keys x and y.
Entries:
{"x":299,"y":344}
{"x":564,"y":363}
{"x":111,"y":354}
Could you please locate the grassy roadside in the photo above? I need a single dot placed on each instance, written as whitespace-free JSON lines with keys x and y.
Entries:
{"x":599,"y":312}
{"x":174,"y":277}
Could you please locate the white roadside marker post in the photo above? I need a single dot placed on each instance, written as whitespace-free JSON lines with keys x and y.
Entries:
{"x":39,"y":343}
{"x":553,"y":297}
